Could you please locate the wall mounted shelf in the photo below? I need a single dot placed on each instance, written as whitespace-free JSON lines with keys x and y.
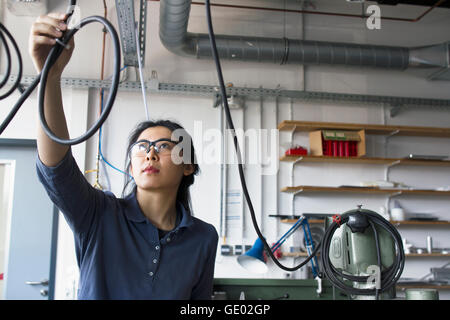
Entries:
{"x":365,"y":160}
{"x":409,"y":255}
{"x":363,"y":190}
{"x":307,"y":126}
{"x":395,"y":223}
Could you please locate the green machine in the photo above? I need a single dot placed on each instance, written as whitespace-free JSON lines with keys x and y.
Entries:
{"x":362,"y":254}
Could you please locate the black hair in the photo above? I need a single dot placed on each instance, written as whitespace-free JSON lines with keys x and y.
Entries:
{"x":183,"y":193}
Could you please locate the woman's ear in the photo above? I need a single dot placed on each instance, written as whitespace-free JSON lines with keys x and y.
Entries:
{"x":188,"y":169}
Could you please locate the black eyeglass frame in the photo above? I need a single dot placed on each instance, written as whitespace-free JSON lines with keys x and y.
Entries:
{"x":150,"y":144}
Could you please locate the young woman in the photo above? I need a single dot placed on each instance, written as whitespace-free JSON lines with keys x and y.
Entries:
{"x":146,"y":245}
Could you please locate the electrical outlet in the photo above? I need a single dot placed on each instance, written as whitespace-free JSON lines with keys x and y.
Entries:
{"x":226,"y":250}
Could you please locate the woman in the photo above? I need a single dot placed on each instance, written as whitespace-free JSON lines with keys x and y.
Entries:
{"x":146,"y":245}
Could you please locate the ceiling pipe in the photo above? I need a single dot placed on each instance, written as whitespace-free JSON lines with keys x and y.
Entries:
{"x":348,"y":15}
{"x":174,"y":16}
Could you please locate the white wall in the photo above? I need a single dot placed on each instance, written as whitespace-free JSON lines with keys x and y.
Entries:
{"x":3,"y":224}
{"x":128,"y":110}
{"x":6,"y":175}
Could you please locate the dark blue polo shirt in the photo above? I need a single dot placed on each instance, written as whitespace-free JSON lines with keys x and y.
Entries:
{"x":119,"y":252}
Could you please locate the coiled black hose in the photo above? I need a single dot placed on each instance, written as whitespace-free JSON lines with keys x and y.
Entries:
{"x":54,"y":54}
{"x":3,"y":32}
{"x":388,"y":277}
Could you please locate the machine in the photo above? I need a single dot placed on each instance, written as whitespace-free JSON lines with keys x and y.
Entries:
{"x":362,"y":254}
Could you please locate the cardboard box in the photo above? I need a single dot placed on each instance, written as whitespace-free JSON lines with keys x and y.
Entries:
{"x":337,"y":143}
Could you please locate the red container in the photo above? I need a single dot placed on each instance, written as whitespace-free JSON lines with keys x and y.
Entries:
{"x":335,"y":149}
{"x":299,"y":151}
{"x":341,"y":148}
{"x":346,"y":148}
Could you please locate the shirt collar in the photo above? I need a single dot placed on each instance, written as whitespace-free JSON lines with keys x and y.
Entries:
{"x":134,"y":212}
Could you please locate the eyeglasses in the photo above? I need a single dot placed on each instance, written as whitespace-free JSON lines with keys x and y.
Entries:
{"x":142,"y":147}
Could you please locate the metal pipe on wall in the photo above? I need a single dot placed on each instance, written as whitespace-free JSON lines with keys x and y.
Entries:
{"x":338,"y":14}
{"x":223,"y":178}
{"x":261,"y":125}
{"x":244,"y":158}
{"x":174,"y":16}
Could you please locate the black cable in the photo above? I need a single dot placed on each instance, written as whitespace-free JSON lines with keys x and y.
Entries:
{"x":53,"y":56}
{"x":388,"y":277}
{"x":236,"y":145}
{"x":8,"y":59}
{"x":55,"y":52}
{"x":3,"y":32}
{"x":26,"y":93}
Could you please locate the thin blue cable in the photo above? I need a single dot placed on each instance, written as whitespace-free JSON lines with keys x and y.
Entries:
{"x":100,"y":136}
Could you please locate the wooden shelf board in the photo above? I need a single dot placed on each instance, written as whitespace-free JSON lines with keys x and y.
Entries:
{"x":296,"y":254}
{"x":364,"y":190}
{"x":430,"y":255}
{"x":423,"y":286}
{"x":421,"y":223}
{"x":396,"y":223}
{"x":364,"y":160}
{"x":412,"y":255}
{"x":310,"y":221}
{"x":289,"y":125}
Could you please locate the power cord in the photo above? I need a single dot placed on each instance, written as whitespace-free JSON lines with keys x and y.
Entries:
{"x":238,"y":153}
{"x":358,"y":221}
{"x":25,"y":93}
{"x":3,"y":32}
{"x":55,"y":52}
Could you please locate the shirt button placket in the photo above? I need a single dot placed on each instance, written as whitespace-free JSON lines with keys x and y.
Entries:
{"x":154,"y":261}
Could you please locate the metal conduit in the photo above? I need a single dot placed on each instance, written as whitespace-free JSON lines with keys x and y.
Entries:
{"x":174,"y":17}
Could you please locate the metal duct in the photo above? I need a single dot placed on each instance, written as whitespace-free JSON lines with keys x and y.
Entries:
{"x":174,"y":16}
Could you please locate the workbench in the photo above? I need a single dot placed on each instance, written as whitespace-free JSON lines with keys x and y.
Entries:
{"x":275,"y":289}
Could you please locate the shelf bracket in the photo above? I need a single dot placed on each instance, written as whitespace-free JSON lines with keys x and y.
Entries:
{"x":386,"y":140}
{"x":296,"y":192}
{"x":292,"y":170}
{"x":297,"y":161}
{"x":393,"y":133}
{"x":388,"y":201}
{"x":388,"y":169}
{"x":395,"y":110}
{"x":292,"y":133}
